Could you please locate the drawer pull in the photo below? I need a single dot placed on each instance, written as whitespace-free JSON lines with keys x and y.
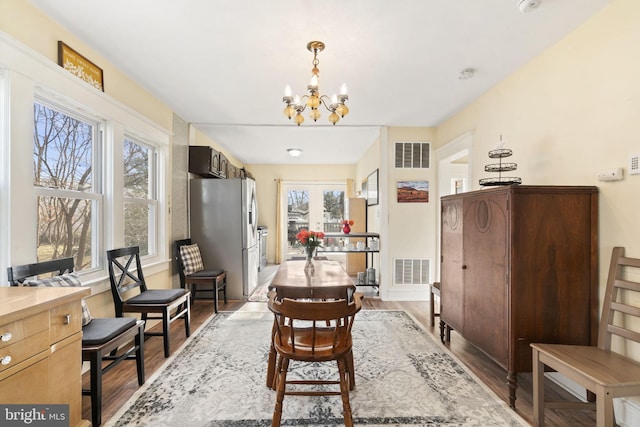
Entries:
{"x":67,"y":319}
{"x":6,"y":337}
{"x":5,"y":360}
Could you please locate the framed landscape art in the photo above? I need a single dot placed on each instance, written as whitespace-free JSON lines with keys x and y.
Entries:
{"x":413,"y":191}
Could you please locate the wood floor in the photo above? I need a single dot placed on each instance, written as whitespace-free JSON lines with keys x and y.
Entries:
{"x":120,"y":383}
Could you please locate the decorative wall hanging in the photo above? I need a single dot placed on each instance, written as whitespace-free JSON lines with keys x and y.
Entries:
{"x":413,"y":191}
{"x":80,"y":66}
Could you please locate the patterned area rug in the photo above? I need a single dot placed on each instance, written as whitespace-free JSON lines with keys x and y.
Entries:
{"x":404,"y":377}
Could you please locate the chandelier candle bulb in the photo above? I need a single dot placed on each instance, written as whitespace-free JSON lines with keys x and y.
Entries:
{"x":343,"y":89}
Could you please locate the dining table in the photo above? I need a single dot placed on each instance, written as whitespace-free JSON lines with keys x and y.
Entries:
{"x":326,"y":280}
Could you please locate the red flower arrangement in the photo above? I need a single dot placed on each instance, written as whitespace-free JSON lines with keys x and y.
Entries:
{"x":346,"y":225}
{"x":310,"y":240}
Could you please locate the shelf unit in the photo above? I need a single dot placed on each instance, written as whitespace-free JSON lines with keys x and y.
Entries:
{"x":368,"y":238}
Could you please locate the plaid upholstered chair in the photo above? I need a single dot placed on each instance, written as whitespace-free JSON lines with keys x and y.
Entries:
{"x":193,"y":273}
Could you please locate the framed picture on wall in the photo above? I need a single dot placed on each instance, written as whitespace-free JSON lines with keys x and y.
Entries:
{"x":372,"y":188}
{"x":413,"y":191}
{"x":80,"y":66}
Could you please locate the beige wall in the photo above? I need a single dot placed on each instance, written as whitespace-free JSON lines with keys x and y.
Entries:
{"x":412,"y":227}
{"x":568,"y":114}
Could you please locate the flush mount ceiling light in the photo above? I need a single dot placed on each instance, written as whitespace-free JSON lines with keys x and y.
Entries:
{"x":466,"y":74}
{"x":294,"y":152}
{"x":528,"y":5}
{"x":296,"y":105}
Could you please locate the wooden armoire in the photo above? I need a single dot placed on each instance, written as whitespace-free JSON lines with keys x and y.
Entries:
{"x":519,"y":264}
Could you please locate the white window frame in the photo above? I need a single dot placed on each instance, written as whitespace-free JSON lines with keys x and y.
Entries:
{"x":96,"y":195}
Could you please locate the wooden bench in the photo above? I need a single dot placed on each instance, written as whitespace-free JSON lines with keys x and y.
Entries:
{"x":600,"y":370}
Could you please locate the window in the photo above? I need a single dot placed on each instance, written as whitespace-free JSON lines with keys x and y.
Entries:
{"x":68,"y":190}
{"x":140,"y":198}
{"x":63,"y":192}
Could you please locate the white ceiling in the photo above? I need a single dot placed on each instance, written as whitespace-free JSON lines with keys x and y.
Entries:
{"x":223,"y":64}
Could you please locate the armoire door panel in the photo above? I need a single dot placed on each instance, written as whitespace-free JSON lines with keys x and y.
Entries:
{"x":451,"y":271}
{"x":485,"y":256}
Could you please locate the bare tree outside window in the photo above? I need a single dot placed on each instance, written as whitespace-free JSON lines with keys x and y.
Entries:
{"x":139,"y":195}
{"x":63,"y":149}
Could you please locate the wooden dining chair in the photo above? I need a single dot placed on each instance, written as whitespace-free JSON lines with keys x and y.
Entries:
{"x":313,"y":331}
{"x":126,"y":277}
{"x":101,"y":337}
{"x":193,"y":273}
{"x":601,"y":370}
{"x":323,"y":293}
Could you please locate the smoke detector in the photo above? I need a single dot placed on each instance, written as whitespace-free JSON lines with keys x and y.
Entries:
{"x":528,"y":5}
{"x":466,"y":74}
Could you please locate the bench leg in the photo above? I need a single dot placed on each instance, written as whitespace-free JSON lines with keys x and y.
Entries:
{"x":432,"y":314}
{"x":604,"y":408}
{"x":538,"y":389}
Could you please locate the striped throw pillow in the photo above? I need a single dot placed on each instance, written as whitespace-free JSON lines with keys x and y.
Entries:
{"x":191,"y":259}
{"x":64,"y":280}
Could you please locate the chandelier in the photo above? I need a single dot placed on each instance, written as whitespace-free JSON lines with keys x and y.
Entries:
{"x":296,"y":105}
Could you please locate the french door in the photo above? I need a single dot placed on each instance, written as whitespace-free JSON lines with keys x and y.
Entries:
{"x":314,"y":206}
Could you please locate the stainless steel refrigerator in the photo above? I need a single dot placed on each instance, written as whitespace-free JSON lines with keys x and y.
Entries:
{"x":223,"y":221}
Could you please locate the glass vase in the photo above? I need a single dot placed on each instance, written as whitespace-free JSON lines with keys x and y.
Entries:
{"x":309,"y":267}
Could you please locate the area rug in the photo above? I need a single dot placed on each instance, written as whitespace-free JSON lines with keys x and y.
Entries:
{"x":404,"y":377}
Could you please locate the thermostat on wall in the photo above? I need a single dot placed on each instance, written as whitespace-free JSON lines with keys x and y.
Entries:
{"x":614,"y":174}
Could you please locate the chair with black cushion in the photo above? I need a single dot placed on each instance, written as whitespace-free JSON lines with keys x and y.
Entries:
{"x":168,"y":305}
{"x":193,"y":273}
{"x":101,"y":337}
{"x":313,"y":331}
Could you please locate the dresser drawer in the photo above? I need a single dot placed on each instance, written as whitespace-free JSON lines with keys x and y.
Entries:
{"x":22,"y":350}
{"x":11,"y":333}
{"x":22,"y":339}
{"x":65,"y":320}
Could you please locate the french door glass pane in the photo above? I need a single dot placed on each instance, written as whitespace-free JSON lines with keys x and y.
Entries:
{"x":297,"y":219}
{"x":314,"y":207}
